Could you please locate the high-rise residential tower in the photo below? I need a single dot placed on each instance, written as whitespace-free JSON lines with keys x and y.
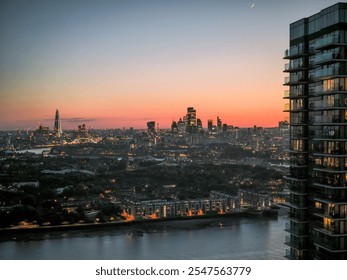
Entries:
{"x":57,"y":130}
{"x":317,"y":96}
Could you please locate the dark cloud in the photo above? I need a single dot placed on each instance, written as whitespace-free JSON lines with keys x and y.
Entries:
{"x":78,"y":120}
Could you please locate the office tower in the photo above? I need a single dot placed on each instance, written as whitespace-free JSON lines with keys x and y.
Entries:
{"x":191,"y":119}
{"x":174,"y":127}
{"x":181,"y":127}
{"x":318,"y":135}
{"x":199,"y":125}
{"x":225,"y":128}
{"x":57,"y":125}
{"x":219,"y":125}
{"x":151,"y":127}
{"x":209,"y":125}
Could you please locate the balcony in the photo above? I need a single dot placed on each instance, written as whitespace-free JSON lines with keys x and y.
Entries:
{"x":297,"y":243}
{"x":337,"y":87}
{"x":298,"y":216}
{"x":329,"y":57}
{"x":297,"y":205}
{"x":293,"y":67}
{"x":328,"y":119}
{"x":324,"y":228}
{"x":328,"y":42}
{"x":330,"y":245}
{"x":288,"y":81}
{"x":286,"y":94}
{"x":293,"y":254}
{"x":329,"y":134}
{"x":323,"y":105}
{"x":294,"y":52}
{"x":326,"y":213}
{"x":296,"y":229}
{"x":298,"y":190}
{"x":330,"y":180}
{"x":330,"y":198}
{"x":331,"y":71}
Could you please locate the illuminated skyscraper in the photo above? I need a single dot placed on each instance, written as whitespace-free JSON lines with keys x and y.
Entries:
{"x":191,"y":119}
{"x":317,"y":107}
{"x":57,"y":130}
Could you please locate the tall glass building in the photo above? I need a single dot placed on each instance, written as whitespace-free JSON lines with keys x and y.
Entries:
{"x":57,"y":130}
{"x":317,"y":105}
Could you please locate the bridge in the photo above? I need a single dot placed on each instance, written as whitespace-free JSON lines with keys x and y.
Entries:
{"x":81,"y":141}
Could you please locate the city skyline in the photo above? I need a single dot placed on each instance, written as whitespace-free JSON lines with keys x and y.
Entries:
{"x":118,"y":64}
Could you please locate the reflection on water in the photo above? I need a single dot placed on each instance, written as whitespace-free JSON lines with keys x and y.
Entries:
{"x":239,"y":238}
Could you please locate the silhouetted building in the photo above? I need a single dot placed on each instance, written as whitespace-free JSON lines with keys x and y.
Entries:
{"x":209,"y":125}
{"x":181,"y":127}
{"x":57,"y":130}
{"x":151,"y":127}
{"x":318,"y":135}
{"x":174,"y":127}
{"x":82,"y":128}
{"x":191,"y":119}
{"x":225,"y":128}
{"x":199,"y":125}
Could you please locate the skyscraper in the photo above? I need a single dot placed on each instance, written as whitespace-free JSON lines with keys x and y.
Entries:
{"x":318,"y":135}
{"x":57,"y":130}
{"x":151,"y":127}
{"x":191,"y":119}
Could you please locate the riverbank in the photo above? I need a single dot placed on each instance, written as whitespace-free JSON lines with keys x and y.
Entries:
{"x":186,"y":222}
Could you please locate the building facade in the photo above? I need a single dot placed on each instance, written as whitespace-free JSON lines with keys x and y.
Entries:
{"x":317,"y":106}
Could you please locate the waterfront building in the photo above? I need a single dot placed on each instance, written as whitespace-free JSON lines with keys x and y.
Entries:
{"x":317,"y":107}
{"x":57,"y":130}
{"x":152,"y":209}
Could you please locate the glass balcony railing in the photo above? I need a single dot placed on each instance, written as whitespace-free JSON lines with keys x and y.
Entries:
{"x":327,"y":72}
{"x":330,"y":134}
{"x":326,"y":41}
{"x":328,"y":119}
{"x":294,"y":51}
{"x":298,"y":243}
{"x":319,"y":58}
{"x":331,"y":245}
{"x":298,"y":215}
{"x":297,"y":229}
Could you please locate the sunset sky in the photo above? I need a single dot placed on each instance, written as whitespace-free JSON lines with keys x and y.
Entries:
{"x":121,"y":63}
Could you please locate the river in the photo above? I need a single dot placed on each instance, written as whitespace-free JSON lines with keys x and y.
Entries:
{"x":231,"y":238}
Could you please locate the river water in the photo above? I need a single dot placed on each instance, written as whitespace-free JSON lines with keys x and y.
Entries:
{"x":218,"y":239}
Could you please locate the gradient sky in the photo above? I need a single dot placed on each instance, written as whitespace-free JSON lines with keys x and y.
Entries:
{"x":121,"y":63}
